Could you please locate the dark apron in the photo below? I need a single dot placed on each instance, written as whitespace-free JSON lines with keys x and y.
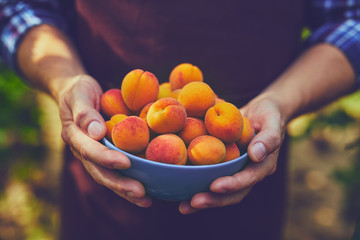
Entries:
{"x":241,"y":47}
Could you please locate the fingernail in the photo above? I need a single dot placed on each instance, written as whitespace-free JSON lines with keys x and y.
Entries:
{"x":94,"y":129}
{"x":185,"y":208}
{"x":204,"y":206}
{"x":117,"y":165}
{"x":258,"y":150}
{"x":130,"y":194}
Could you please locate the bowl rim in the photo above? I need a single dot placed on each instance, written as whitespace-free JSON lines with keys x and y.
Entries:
{"x":107,"y":143}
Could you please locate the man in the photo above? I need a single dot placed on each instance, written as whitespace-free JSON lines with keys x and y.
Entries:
{"x":249,"y":53}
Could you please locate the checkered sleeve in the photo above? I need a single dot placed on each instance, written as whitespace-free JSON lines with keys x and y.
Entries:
{"x":337,"y":23}
{"x":17,"y":17}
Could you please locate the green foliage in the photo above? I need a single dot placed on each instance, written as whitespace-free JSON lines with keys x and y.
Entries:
{"x":349,"y":178}
{"x":20,"y":136}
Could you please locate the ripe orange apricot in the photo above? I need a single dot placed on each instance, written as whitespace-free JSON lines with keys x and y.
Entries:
{"x":131,"y":134}
{"x":205,"y":150}
{"x":232,"y":152}
{"x":219,"y":100}
{"x":194,"y":127}
{"x":164,"y":90}
{"x":247,"y":134}
{"x":143,"y":113}
{"x":197,"y":98}
{"x":112,"y":102}
{"x":166,"y":115}
{"x":175,"y":94}
{"x":224,"y":121}
{"x":183,"y":74}
{"x":112,"y":122}
{"x":167,"y":148}
{"x":139,"y":88}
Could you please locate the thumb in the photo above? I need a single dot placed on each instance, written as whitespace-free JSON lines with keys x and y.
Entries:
{"x":90,"y":121}
{"x":264,"y":143}
{"x":96,"y":130}
{"x":87,"y":117}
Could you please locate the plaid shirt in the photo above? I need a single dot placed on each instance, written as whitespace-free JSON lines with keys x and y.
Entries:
{"x":335,"y":22}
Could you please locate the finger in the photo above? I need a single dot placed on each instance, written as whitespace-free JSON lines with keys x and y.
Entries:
{"x":267,"y":140}
{"x":186,"y":208}
{"x":81,"y":104}
{"x":211,"y":200}
{"x":92,"y":150}
{"x":248,"y":177}
{"x":87,"y":117}
{"x":125,"y":187}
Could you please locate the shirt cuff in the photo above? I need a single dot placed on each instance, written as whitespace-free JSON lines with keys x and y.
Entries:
{"x":14,"y":32}
{"x":346,"y":37}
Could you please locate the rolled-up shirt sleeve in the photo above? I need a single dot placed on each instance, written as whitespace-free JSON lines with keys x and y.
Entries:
{"x":18,"y":17}
{"x":337,"y":23}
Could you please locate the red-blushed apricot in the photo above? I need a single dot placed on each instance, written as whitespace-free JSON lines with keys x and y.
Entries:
{"x":183,"y":74}
{"x":247,"y":134}
{"x":143,"y":116}
{"x":144,"y":111}
{"x":197,"y":98}
{"x":112,"y":102}
{"x":167,"y":148}
{"x":194,"y":127}
{"x":115,"y":119}
{"x":205,"y":150}
{"x":224,"y":121}
{"x":139,"y":88}
{"x":219,"y":100}
{"x":232,"y":152}
{"x":131,"y":134}
{"x":164,"y":90}
{"x":166,"y":115}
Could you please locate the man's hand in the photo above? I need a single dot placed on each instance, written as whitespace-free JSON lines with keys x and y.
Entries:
{"x":263,"y":150}
{"x":49,"y":61}
{"x":83,"y":126}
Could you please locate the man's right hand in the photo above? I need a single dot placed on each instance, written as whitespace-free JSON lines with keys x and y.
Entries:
{"x":82,"y":127}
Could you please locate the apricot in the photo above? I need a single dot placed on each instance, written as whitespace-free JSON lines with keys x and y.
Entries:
{"x":193,"y":128}
{"x":139,"y":88}
{"x":167,"y":148}
{"x":131,"y":134}
{"x":143,"y":113}
{"x":224,"y":121}
{"x":164,"y":90}
{"x":219,"y":100}
{"x":112,"y":102}
{"x":183,"y":74}
{"x":247,"y":134}
{"x":109,"y":126}
{"x":232,"y":152}
{"x":166,"y":115}
{"x":175,"y":94}
{"x":205,"y":150}
{"x":112,"y":122}
{"x":143,"y":116}
{"x":197,"y":98}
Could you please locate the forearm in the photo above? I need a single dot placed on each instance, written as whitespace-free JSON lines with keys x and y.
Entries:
{"x":319,"y":76}
{"x":48,"y":60}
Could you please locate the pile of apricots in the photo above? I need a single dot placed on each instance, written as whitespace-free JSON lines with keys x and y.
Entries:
{"x":181,"y":121}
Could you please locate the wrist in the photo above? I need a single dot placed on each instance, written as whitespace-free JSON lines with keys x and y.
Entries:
{"x":65,"y":86}
{"x":48,"y":60}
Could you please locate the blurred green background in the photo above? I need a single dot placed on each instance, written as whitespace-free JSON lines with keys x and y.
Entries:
{"x":324,"y":176}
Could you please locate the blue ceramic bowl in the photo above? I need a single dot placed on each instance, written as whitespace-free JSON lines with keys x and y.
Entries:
{"x":173,"y":182}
